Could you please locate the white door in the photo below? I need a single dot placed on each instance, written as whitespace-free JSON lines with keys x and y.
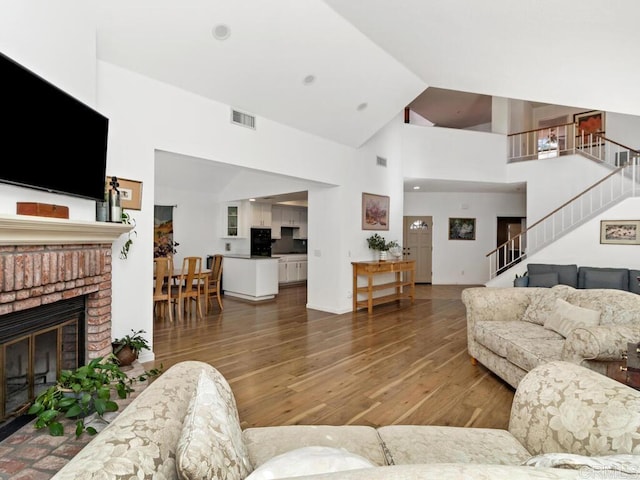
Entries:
{"x":418,"y":246}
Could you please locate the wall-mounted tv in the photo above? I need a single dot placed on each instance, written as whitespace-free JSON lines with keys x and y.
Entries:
{"x":48,"y":139}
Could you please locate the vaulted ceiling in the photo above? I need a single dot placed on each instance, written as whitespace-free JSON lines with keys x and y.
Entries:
{"x":342,"y":69}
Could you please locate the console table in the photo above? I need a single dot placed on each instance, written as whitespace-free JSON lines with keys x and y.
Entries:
{"x":402,"y":288}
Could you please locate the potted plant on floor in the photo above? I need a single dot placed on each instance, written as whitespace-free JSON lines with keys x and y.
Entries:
{"x":128,"y":348}
{"x":80,"y":392}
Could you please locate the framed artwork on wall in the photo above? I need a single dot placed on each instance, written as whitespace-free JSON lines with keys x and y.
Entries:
{"x":620,"y":232}
{"x":588,"y":124}
{"x":462,"y":228}
{"x":375,"y":212}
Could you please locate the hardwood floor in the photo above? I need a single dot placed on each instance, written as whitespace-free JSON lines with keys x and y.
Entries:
{"x":404,"y":364}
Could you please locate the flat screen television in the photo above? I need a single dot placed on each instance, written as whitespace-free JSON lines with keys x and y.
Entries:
{"x":49,"y":140}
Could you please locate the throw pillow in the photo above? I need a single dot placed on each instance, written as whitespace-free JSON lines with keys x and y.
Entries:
{"x":625,"y":463}
{"x":543,"y":303}
{"x":565,"y":317}
{"x":543,"y":279}
{"x":309,"y":461}
{"x":211,"y":436}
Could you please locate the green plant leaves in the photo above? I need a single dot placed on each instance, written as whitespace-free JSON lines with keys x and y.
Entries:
{"x":56,"y":429}
{"x":81,"y":391}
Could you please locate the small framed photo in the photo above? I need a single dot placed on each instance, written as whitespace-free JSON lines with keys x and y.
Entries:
{"x":375,"y":212}
{"x":462,"y":228}
{"x":130,"y":192}
{"x":620,"y":232}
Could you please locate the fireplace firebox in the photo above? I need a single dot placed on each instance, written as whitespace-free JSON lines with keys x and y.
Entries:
{"x":35,"y":344}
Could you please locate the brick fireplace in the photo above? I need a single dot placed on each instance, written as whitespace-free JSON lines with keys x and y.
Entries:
{"x":44,"y":261}
{"x":36,"y":275}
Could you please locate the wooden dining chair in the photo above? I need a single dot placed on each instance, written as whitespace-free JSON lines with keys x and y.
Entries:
{"x":189,"y":288}
{"x":163,"y":270}
{"x":212,"y":288}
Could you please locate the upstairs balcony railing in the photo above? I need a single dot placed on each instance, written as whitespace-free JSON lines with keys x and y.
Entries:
{"x":621,"y":183}
{"x":565,"y":139}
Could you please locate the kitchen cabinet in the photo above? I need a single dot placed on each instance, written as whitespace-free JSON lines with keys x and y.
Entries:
{"x":260,"y":215}
{"x":292,"y":268}
{"x":231,"y":218}
{"x":250,"y":278}
{"x":301,"y":232}
{"x":291,"y":216}
{"x":302,"y":271}
{"x":276,"y":222}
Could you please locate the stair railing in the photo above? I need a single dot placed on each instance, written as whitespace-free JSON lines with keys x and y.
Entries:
{"x":542,"y":143}
{"x":621,"y":183}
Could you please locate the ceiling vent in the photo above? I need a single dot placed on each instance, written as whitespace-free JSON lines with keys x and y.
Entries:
{"x":381,"y":162}
{"x":243,"y":119}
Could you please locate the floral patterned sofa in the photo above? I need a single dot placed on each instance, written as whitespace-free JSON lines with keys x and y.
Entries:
{"x":513,"y":330}
{"x":185,"y":426}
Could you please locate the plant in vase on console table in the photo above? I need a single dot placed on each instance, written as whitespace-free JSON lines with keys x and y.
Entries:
{"x":381,"y":247}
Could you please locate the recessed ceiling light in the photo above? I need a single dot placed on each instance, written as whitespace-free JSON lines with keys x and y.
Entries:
{"x":362,"y":106}
{"x":309,"y":79}
{"x":252,"y":199}
{"x":221,"y":32}
{"x":416,"y":187}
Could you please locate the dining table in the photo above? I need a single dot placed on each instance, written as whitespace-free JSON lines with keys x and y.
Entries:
{"x":203,"y":277}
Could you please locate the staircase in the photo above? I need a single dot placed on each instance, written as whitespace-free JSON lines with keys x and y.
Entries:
{"x":621,"y":183}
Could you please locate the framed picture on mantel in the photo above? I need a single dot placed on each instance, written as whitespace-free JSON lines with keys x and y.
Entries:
{"x":130,"y":193}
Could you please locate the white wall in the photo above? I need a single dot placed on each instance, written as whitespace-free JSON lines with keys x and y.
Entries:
{"x":446,"y":153}
{"x":463,"y":261}
{"x":62,"y":52}
{"x":623,"y":129}
{"x":553,"y":181}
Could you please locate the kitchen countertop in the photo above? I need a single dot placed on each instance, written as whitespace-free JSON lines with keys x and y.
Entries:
{"x":249,"y":257}
{"x":284,"y":257}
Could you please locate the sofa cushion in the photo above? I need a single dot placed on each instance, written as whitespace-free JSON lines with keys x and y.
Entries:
{"x":617,"y":307}
{"x":496,"y":336}
{"x":309,"y":461}
{"x":528,"y":354}
{"x":543,"y":303}
{"x":264,"y":443}
{"x":543,"y":279}
{"x":415,"y":444}
{"x":616,"y":279}
{"x":211,"y":434}
{"x":599,"y":277}
{"x":566,"y":317}
{"x":567,"y":274}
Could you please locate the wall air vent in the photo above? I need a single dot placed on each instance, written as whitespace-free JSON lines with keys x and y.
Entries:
{"x":381,"y":162}
{"x":243,"y":119}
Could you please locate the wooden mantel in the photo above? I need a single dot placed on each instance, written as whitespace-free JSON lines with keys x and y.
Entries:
{"x":32,"y":230}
